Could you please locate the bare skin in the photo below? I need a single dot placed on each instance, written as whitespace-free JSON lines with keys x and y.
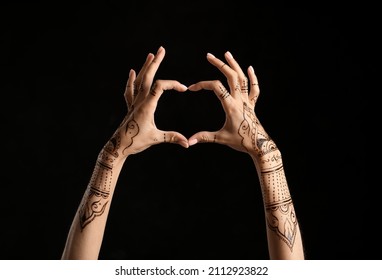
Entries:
{"x":137,"y":132}
{"x":243,"y":132}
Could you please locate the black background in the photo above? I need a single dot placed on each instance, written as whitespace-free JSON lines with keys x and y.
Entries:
{"x":64,"y":72}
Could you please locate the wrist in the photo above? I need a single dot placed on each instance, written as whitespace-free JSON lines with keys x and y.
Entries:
{"x":111,"y":157}
{"x":266,"y":161}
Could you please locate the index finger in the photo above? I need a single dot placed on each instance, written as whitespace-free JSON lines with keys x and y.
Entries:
{"x":152,"y":69}
{"x":222,"y":66}
{"x":231,"y":74}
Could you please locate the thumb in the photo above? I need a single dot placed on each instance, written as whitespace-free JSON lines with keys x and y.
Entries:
{"x":203,"y":137}
{"x":174,"y":138}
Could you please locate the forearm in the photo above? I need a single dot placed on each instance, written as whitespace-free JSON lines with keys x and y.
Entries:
{"x":283,"y":232}
{"x":86,"y":232}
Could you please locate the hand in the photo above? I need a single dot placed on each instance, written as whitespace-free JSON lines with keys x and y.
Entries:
{"x":138,"y":131}
{"x":242,"y":130}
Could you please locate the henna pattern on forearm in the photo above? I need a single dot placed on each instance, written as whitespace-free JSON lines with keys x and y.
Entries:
{"x":97,"y":194}
{"x":279,"y":210}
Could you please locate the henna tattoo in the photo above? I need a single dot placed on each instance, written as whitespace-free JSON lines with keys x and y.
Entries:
{"x":280,"y":213}
{"x":94,"y":206}
{"x":97,"y":194}
{"x":279,"y":209}
{"x":244,"y":87}
{"x":237,"y":87}
{"x":223,"y":92}
{"x":253,"y":135}
{"x":281,"y":219}
{"x":135,"y":91}
{"x":277,"y":188}
{"x":171,"y":140}
{"x":140,"y":87}
{"x":132,"y":130}
{"x":111,"y":147}
{"x":274,"y":158}
{"x":255,"y":97}
{"x":205,"y":138}
{"x":152,"y":91}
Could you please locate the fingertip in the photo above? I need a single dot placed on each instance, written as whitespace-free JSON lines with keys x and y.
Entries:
{"x":192,"y":142}
{"x":250,"y":68}
{"x":149,"y":56}
{"x":228,"y":54}
{"x":184,"y":144}
{"x":160,"y":49}
{"x":210,"y":55}
{"x":183,"y":87}
{"x":131,"y":73}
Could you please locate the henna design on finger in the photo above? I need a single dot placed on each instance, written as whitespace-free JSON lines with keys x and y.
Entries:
{"x":223,"y":92}
{"x":205,"y":139}
{"x":244,"y":87}
{"x":237,"y":87}
{"x":135,"y":91}
{"x":253,"y":99}
{"x":152,"y":91}
{"x":164,"y":137}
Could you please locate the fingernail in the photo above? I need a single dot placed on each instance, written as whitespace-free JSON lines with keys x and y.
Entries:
{"x":210,"y":55}
{"x":160,"y":49}
{"x":186,"y":145}
{"x":193,"y":142}
{"x":229,"y":54}
{"x":251,"y":69}
{"x":184,"y":87}
{"x":149,"y":55}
